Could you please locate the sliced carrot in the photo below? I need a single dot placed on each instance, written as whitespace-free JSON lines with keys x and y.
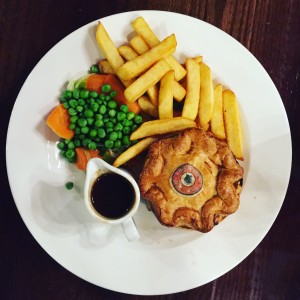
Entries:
{"x":83,"y":156}
{"x":81,"y":159}
{"x":59,"y":121}
{"x":95,"y":81}
{"x":117,"y":85}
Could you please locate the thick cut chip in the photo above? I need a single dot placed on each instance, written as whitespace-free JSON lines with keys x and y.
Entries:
{"x":141,"y":63}
{"x":139,"y":45}
{"x":165,"y":99}
{"x":143,"y":29}
{"x":217,"y":120}
{"x":127,"y":53}
{"x":147,"y":80}
{"x":233,"y":127}
{"x":109,"y":50}
{"x":133,"y":151}
{"x":163,"y":126}
{"x":105,"y":67}
{"x":148,"y":107}
{"x":206,"y":102}
{"x":191,"y":103}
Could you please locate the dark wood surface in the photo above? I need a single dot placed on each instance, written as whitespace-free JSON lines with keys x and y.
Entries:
{"x":269,"y":29}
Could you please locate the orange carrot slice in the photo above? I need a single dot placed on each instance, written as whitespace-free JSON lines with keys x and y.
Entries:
{"x":116,"y":85}
{"x":83,"y":156}
{"x":95,"y":81}
{"x":59,"y":121}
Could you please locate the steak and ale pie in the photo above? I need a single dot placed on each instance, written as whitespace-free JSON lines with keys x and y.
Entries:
{"x":191,"y":180}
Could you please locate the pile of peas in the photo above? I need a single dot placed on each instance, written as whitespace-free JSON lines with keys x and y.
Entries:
{"x":97,"y":121}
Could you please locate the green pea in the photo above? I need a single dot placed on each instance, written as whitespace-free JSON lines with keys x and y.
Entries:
{"x":99,"y":102}
{"x":121,"y":116}
{"x":74,"y":119}
{"x":60,"y":145}
{"x":97,"y":140}
{"x":81,"y":102}
{"x":118,"y":127}
{"x":118,"y":144}
{"x":71,"y":145}
{"x":102,"y":97}
{"x":105,"y":120}
{"x":81,"y":136}
{"x":126,"y":130}
{"x":107,"y":98}
{"x":77,"y":130}
{"x":109,"y":124}
{"x":63,"y":153}
{"x":113,"y":94}
{"x":76,"y":94}
{"x":70,"y":153}
{"x":119,"y":134}
{"x":133,"y":127}
{"x":126,"y":140}
{"x":82,"y":122}
{"x":124,"y":108}
{"x":88,"y":113}
{"x":114,"y":120}
{"x":112,"y":112}
{"x":113,"y":136}
{"x":72,"y":126}
{"x":84,"y":130}
{"x":69,"y":185}
{"x":67,"y":94}
{"x":109,"y":130}
{"x":71,"y":159}
{"x":66,"y":105}
{"x":67,"y":141}
{"x":79,"y":108}
{"x":94,"y":106}
{"x":138,"y":119}
{"x":94,"y":69}
{"x":92,"y":146}
{"x":102,"y":109}
{"x":109,"y":144}
{"x":98,"y":117}
{"x":112,"y":104}
{"x":84,"y":94}
{"x":101,"y":133}
{"x":77,"y":143}
{"x":93,"y":133}
{"x":98,"y":123}
{"x":86,"y":141}
{"x":72,"y":111}
{"x":127,"y":123}
{"x":90,"y":121}
{"x":106,"y":88}
{"x":130,"y":115}
{"x":93,"y":94}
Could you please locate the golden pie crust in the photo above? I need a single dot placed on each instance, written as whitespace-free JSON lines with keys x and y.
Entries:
{"x":221,"y":180}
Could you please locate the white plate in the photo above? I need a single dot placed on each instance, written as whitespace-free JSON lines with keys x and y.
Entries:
{"x":164,"y":260}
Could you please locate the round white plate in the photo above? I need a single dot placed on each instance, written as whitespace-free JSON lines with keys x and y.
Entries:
{"x":165,"y":260}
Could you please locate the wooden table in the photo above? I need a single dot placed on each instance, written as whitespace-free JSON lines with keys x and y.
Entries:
{"x":269,"y":29}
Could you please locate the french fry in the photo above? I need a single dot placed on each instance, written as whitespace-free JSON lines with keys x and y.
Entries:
{"x":148,"y":107}
{"x":198,"y":59}
{"x":139,"y":45}
{"x":165,"y":98}
{"x":179,"y":91}
{"x":217,"y":120}
{"x":147,"y":80}
{"x":143,"y":29}
{"x":191,"y":103}
{"x":133,"y":151}
{"x":127,"y":52}
{"x":206,"y":102}
{"x":163,"y":126}
{"x":105,"y":67}
{"x":109,"y":50}
{"x":232,"y":122}
{"x":140,"y":64}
